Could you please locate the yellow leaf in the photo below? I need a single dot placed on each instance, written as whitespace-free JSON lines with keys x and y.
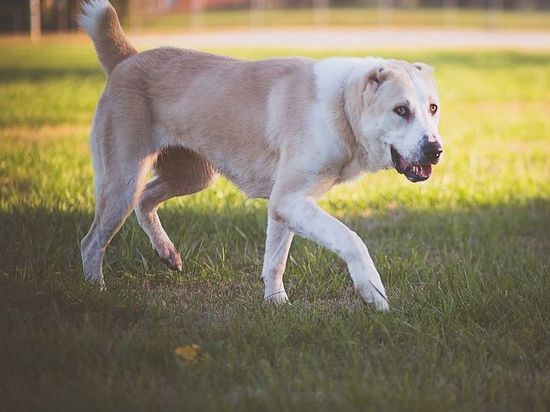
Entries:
{"x":191,"y":354}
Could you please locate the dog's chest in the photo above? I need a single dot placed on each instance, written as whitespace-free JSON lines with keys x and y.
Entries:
{"x":351,"y":169}
{"x":255,"y":177}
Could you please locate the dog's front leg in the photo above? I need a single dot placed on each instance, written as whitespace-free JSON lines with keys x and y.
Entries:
{"x":277,"y":246}
{"x":300,"y":214}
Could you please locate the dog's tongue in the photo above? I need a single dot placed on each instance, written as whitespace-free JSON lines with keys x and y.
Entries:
{"x":423,"y":171}
{"x":418,"y":173}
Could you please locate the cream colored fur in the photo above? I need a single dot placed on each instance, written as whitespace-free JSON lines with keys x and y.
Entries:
{"x":283,"y":129}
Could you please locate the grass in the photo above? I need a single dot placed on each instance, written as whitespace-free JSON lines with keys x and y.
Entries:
{"x":465,"y":260}
{"x":350,"y":17}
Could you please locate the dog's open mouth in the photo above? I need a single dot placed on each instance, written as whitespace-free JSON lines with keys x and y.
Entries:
{"x":415,"y":173}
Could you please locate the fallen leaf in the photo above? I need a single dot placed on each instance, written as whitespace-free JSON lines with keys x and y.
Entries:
{"x":191,"y":354}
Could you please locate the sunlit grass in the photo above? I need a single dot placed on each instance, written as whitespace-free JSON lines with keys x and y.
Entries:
{"x":464,"y":256}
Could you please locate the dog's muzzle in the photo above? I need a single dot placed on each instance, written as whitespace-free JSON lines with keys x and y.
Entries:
{"x":418,"y":172}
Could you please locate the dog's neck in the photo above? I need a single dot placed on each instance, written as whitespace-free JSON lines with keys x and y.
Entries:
{"x":354,"y":163}
{"x":368,"y":151}
{"x":349,"y":122}
{"x":340,"y":85}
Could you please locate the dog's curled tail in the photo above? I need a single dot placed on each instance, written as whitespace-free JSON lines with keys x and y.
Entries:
{"x":100,"y":21}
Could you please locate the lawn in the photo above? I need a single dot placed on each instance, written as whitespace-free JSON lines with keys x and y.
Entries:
{"x":464,"y":256}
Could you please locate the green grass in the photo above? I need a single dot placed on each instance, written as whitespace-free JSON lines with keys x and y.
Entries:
{"x":464,"y":257}
{"x":351,"y":17}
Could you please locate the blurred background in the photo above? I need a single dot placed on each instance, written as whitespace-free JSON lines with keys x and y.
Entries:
{"x":47,"y":16}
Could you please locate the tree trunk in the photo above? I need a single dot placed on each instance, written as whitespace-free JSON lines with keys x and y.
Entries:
{"x":62,"y":15}
{"x":34,"y":7}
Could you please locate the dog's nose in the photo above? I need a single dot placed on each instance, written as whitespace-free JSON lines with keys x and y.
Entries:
{"x":431,"y":150}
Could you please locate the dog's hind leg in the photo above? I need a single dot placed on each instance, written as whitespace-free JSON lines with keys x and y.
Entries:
{"x":116,"y":197}
{"x":178,"y":172}
{"x":121,"y":167}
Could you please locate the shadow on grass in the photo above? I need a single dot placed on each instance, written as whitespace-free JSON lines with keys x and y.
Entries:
{"x":38,"y":243}
{"x":12,"y":75}
{"x":469,"y":288}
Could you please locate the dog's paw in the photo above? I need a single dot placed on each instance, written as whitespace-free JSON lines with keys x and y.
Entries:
{"x":276,"y":297}
{"x":374,"y":296}
{"x":171,"y":258}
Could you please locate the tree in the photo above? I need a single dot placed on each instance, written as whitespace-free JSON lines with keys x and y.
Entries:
{"x":34,"y":8}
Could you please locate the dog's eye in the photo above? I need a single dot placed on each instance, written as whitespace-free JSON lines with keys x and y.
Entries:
{"x":402,"y":111}
{"x":433,"y":108}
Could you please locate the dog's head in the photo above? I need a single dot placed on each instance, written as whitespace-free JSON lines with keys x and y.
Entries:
{"x":399,"y":116}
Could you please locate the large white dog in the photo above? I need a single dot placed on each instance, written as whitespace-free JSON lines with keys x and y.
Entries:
{"x":284,"y":129}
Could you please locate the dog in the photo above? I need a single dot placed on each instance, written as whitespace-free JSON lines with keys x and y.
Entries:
{"x":283,"y":129}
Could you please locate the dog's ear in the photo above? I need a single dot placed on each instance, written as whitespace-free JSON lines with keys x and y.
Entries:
{"x":375,"y":78}
{"x":362,"y":90}
{"x":424,"y":68}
